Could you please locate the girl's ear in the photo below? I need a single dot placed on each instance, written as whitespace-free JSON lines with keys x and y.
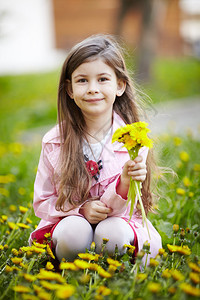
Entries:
{"x":69,"y":88}
{"x":121,"y":86}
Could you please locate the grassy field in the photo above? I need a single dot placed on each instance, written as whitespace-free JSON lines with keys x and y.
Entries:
{"x":32,"y":272}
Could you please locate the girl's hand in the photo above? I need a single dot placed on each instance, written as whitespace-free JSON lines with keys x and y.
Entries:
{"x":95,"y":211}
{"x":133,"y":168}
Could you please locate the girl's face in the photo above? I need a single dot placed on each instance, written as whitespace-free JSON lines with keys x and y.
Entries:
{"x":94,"y":87}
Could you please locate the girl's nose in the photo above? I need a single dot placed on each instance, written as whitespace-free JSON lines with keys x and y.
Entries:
{"x":93,"y":87}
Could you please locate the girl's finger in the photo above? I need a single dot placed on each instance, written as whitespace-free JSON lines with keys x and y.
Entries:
{"x":138,"y":159}
{"x":137,"y":166}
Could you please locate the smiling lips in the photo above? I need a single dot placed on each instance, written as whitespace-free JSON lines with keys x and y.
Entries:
{"x":93,"y":100}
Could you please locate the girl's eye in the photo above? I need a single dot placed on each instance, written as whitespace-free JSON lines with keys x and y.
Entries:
{"x":82,"y":80}
{"x":103,"y":79}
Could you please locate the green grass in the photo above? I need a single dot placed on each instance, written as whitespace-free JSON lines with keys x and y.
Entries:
{"x":170,"y":275}
{"x":174,"y":79}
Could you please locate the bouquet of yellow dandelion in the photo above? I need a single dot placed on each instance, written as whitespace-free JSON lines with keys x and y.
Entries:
{"x":134,"y":136}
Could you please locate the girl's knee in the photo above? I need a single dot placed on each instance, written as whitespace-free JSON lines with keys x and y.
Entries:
{"x":71,"y":236}
{"x":117,"y":231}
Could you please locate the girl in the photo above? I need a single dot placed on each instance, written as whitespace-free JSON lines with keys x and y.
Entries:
{"x":81,"y":186}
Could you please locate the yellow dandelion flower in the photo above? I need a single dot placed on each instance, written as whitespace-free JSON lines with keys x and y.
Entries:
{"x":50,"y":286}
{"x":191,"y":194}
{"x":16,"y":148}
{"x":25,"y":249}
{"x":92,"y":246}
{"x":7,"y":178}
{"x":141,"y":277}
{"x":184,"y":156}
{"x":103,"y":273}
{"x":81,"y":264}
{"x":112,"y":269}
{"x":29,"y":297}
{"x":37,"y":250}
{"x":4,"y":192}
{"x":89,"y":256}
{"x":65,"y":291}
{"x":49,"y":275}
{"x":22,"y":191}
{"x":68,"y":266}
{"x":177,"y":141}
{"x":186,"y":181}
{"x":93,"y":267}
{"x":47,"y":235}
{"x":177,"y":275}
{"x":12,"y":225}
{"x":103,"y":290}
{"x":196,"y":167}
{"x":166,"y":273}
{"x":129,"y":246}
{"x":21,"y":289}
{"x":172,"y":290}
{"x":161,"y":251}
{"x":6,"y":246}
{"x":28,"y":220}
{"x":8,"y":269}
{"x":23,"y":209}
{"x":113,"y":262}
{"x":29,"y":277}
{"x":153,"y":262}
{"x":84,"y":278}
{"x":25,"y":266}
{"x":38,"y":245}
{"x":49,"y":266}
{"x":16,"y":260}
{"x":44,"y":296}
{"x":175,"y":228}
{"x":172,"y":248}
{"x":180,"y":191}
{"x":129,"y":143}
{"x":120,"y":132}
{"x":4,"y":217}
{"x":12,"y":208}
{"x":15,"y":252}
{"x":49,"y":252}
{"x":194,"y":267}
{"x":190,"y":290}
{"x":184,"y":250}
{"x":22,"y":225}
{"x":154,"y":287}
{"x":194,"y":277}
{"x":105,"y":240}
{"x":1,"y":247}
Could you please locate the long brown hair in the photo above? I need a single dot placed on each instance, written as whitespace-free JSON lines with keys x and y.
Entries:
{"x":74,"y":180}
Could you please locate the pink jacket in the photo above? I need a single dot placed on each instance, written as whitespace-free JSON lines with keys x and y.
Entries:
{"x":113,"y":157}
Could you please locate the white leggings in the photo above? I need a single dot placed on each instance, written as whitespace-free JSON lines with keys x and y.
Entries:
{"x":74,"y":234}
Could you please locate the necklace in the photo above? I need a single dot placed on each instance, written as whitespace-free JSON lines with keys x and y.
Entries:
{"x":93,"y":167}
{"x":92,"y":151}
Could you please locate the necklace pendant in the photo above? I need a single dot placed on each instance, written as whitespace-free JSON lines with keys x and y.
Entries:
{"x":93,"y":167}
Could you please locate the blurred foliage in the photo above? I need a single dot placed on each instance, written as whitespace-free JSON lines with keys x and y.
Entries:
{"x":30,"y":101}
{"x":174,"y":79}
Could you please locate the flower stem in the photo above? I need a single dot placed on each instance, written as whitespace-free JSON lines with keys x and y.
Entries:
{"x":144,"y":218}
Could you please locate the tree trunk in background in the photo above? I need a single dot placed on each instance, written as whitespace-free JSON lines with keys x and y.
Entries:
{"x":152,"y":12}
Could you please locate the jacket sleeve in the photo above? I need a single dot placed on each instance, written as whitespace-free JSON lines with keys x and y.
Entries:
{"x":110,"y":196}
{"x":45,"y":193}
